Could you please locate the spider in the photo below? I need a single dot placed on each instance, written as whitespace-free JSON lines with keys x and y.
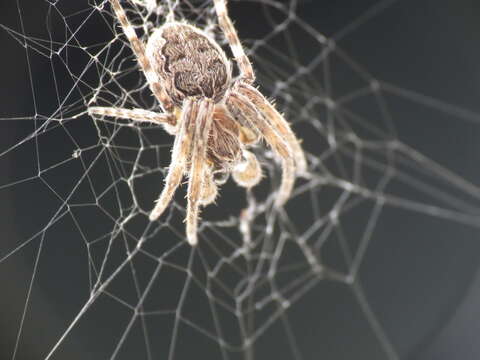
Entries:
{"x":215,"y":118}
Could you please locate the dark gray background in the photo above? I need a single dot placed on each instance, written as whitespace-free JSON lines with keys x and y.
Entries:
{"x":420,"y":274}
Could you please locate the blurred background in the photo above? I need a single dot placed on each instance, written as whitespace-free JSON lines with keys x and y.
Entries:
{"x":419,"y":274}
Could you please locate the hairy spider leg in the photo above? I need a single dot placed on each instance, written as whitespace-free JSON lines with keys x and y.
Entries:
{"x":180,"y":153}
{"x":139,"y":50}
{"x":246,"y":69}
{"x":278,"y":122}
{"x":139,"y":115}
{"x":275,"y":141}
{"x":203,"y":123}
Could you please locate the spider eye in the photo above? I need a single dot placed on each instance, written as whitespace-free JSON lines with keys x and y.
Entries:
{"x":220,"y":177}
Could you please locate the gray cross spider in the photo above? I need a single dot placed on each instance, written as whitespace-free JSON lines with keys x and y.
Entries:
{"x":213,"y":117}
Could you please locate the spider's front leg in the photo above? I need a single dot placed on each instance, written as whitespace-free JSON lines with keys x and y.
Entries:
{"x":242,"y":108}
{"x":190,"y":145}
{"x":278,"y":122}
{"x":180,"y":154}
{"x":196,"y":184}
{"x":210,"y":189}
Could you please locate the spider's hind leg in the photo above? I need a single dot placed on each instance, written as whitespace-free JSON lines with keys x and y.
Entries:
{"x":246,"y":69}
{"x":138,"y":48}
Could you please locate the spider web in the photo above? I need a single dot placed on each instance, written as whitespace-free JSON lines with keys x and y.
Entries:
{"x":86,"y":275}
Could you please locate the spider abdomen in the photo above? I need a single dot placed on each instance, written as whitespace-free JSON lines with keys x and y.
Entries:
{"x":189,"y":62}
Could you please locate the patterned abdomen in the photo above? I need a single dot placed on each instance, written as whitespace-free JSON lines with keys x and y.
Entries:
{"x":189,"y":62}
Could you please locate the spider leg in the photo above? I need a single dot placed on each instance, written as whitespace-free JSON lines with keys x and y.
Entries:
{"x":246,"y":70}
{"x":138,"y":48}
{"x":240,"y":106}
{"x":169,"y":121}
{"x":180,"y":154}
{"x":278,"y":122}
{"x":139,"y":115}
{"x":196,"y":185}
{"x":210,"y":189}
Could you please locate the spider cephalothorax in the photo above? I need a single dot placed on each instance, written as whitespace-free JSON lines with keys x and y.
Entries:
{"x":214,"y":118}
